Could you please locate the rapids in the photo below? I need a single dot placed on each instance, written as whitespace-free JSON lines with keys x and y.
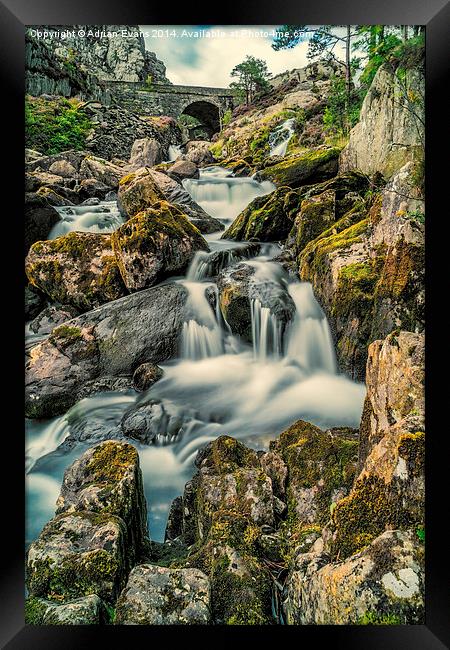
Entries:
{"x":220,"y":384}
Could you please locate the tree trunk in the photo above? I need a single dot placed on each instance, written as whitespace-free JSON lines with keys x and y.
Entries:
{"x":405,"y":32}
{"x":347,"y":78}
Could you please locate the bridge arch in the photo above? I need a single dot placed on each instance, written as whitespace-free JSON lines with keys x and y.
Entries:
{"x":206,"y":112}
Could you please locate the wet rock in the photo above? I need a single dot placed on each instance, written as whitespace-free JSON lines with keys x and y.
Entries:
{"x":383,"y":584}
{"x":274,"y":466}
{"x":183,"y":169}
{"x":78,"y":269}
{"x":92,"y":201}
{"x":157,"y":242}
{"x":110,"y":341}
{"x":239,"y":284}
{"x":160,"y":596}
{"x":40,"y":217}
{"x":313,"y":167}
{"x":145,"y":376}
{"x":316,"y":215}
{"x":79,"y":553}
{"x":34,"y":302}
{"x":149,"y":421}
{"x":145,"y":152}
{"x":51,"y":317}
{"x":87,"y":610}
{"x":266,"y":218}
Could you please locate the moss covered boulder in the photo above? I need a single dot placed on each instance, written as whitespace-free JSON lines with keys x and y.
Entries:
{"x":155,"y":243}
{"x":78,"y":554}
{"x":77,"y":269}
{"x":157,"y":595}
{"x":241,"y":585}
{"x":87,"y":610}
{"x":381,"y":585}
{"x":316,"y":215}
{"x":266,"y":218}
{"x":107,"y":478}
{"x":313,"y":166}
{"x":138,"y":191}
{"x":390,"y":489}
{"x":321,"y":467}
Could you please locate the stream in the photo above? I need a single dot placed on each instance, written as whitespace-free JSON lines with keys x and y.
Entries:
{"x":220,"y":384}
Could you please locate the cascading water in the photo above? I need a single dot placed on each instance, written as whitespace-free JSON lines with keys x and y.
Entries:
{"x":102,"y":218}
{"x":174,"y":152}
{"x":202,"y":335}
{"x":223,"y":196}
{"x":220,"y":384}
{"x":280,"y":137}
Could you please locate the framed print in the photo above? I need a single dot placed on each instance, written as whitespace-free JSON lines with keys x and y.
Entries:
{"x":227,"y":381}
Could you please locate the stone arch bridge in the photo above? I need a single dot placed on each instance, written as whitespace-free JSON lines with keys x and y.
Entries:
{"x":207,"y":105}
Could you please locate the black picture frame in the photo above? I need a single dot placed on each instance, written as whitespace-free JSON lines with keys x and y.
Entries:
{"x":435,"y":15}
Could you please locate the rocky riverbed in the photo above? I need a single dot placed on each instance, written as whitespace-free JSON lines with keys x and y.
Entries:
{"x":225,"y":370}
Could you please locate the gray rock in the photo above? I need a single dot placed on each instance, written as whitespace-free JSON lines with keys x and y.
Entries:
{"x":145,"y":152}
{"x":110,"y":341}
{"x":51,"y":317}
{"x":160,"y":596}
{"x":145,"y":376}
{"x":87,"y":610}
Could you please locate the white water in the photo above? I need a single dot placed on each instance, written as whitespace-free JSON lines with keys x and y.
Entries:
{"x":223,"y":196}
{"x":280,"y":137}
{"x":102,"y":218}
{"x":220,"y":384}
{"x":174,"y":152}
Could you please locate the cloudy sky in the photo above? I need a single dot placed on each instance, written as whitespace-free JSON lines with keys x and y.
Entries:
{"x":207,"y":61}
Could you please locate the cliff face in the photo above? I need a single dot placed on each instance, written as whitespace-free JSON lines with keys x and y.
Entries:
{"x":75,"y":66}
{"x":390,"y":132}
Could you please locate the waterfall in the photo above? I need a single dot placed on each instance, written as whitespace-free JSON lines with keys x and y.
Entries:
{"x":174,"y":152}
{"x":309,"y":338}
{"x":223,"y":196}
{"x":279,"y":138}
{"x":201,"y":335}
{"x":102,"y":218}
{"x":266,"y":332}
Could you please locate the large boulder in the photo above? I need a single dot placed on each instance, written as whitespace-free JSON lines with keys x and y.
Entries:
{"x":383,"y":584}
{"x":266,"y":218}
{"x":145,"y":152}
{"x":321,"y":466}
{"x":389,"y":491}
{"x":77,"y":269}
{"x":157,"y":595}
{"x":390,"y":131}
{"x":101,"y":170}
{"x":51,"y":317}
{"x":141,"y":189}
{"x":157,"y":242}
{"x":107,"y":478}
{"x":109,"y":342}
{"x":314,"y":166}
{"x":183,"y":169}
{"x":78,"y":553}
{"x":238,"y":286}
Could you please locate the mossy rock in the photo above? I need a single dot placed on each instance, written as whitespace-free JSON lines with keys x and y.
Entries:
{"x":77,"y":269}
{"x":137,"y":192}
{"x":226,"y":454}
{"x":316,"y":215}
{"x":266,"y":218}
{"x":78,"y":554}
{"x":155,"y":243}
{"x":321,"y":467}
{"x":313,"y":166}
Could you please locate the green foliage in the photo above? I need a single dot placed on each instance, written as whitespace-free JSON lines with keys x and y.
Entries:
{"x":341,"y":112}
{"x":252,"y":75}
{"x":52,"y":126}
{"x":149,"y":82}
{"x":226,"y":119}
{"x":374,"y":618}
{"x":420,"y":532}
